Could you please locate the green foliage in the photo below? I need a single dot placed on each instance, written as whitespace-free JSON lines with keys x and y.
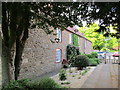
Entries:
{"x":98,"y":39}
{"x":26,"y":84}
{"x":102,"y":11}
{"x":81,"y":61}
{"x":70,"y":71}
{"x":84,"y":72}
{"x":62,"y":74}
{"x":45,"y":82}
{"x":94,"y":61}
{"x":75,"y":39}
{"x":17,"y":85}
{"x":88,"y":55}
{"x":65,"y":66}
{"x":73,"y":75}
{"x":72,"y":52}
{"x":94,"y":54}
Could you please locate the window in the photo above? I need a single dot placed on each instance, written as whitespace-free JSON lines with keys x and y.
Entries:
{"x":70,"y":38}
{"x":59,"y":35}
{"x":58,"y":55}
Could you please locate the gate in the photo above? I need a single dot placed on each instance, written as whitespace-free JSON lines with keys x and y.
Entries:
{"x":111,"y":59}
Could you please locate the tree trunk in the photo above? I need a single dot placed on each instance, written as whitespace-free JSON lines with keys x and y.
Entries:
{"x":18,"y":58}
{"x":11,"y":62}
{"x":8,"y":55}
{"x":20,"y":41}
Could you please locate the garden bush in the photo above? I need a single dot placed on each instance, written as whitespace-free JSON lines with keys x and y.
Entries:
{"x":81,"y":61}
{"x":72,"y":52}
{"x":89,"y":55}
{"x":94,"y":54}
{"x":94,"y":61}
{"x":17,"y":85}
{"x":27,"y":84}
{"x":62,"y":74}
{"x":97,"y":60}
{"x":45,"y":82}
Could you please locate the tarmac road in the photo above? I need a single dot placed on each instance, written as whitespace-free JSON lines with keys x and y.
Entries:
{"x":104,"y":76}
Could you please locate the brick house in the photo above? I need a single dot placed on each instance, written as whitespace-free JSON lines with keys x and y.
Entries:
{"x":43,"y":53}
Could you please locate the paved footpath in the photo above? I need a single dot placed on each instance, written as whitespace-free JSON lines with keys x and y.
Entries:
{"x":104,"y":76}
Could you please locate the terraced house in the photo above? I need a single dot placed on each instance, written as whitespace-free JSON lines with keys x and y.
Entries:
{"x":44,"y":53}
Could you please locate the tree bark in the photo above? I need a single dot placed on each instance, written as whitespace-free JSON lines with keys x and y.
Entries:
{"x":20,"y":41}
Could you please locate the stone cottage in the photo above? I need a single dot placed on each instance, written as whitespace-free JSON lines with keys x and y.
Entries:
{"x":44,"y":53}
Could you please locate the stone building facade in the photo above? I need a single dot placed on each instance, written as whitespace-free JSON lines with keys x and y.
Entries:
{"x":43,"y":53}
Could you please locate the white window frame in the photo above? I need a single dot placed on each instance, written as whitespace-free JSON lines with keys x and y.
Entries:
{"x":70,"y":38}
{"x":58,"y":55}
{"x":59,"y":34}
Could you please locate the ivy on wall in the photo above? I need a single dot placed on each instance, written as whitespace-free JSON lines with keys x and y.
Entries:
{"x":75,"y":39}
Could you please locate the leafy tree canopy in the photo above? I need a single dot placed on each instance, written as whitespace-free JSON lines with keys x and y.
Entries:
{"x":98,"y":40}
{"x":108,"y":13}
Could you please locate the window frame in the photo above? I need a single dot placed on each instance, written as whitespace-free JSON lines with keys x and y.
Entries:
{"x":59,"y":34}
{"x":60,"y":56}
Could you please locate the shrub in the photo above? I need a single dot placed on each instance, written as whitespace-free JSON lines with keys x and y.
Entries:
{"x":62,"y":74}
{"x":70,"y":71}
{"x":94,"y":61}
{"x":65,"y":66}
{"x":84,"y":72}
{"x":89,"y":55}
{"x":94,"y":54}
{"x":45,"y":82}
{"x":81,"y":61}
{"x":73,"y":75}
{"x":97,"y":60}
{"x":17,"y":85}
{"x":31,"y":85}
{"x":72,"y":52}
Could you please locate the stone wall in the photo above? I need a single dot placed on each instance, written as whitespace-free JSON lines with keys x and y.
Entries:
{"x":39,"y":55}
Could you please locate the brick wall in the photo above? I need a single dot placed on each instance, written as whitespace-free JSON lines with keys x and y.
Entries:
{"x":89,"y":48}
